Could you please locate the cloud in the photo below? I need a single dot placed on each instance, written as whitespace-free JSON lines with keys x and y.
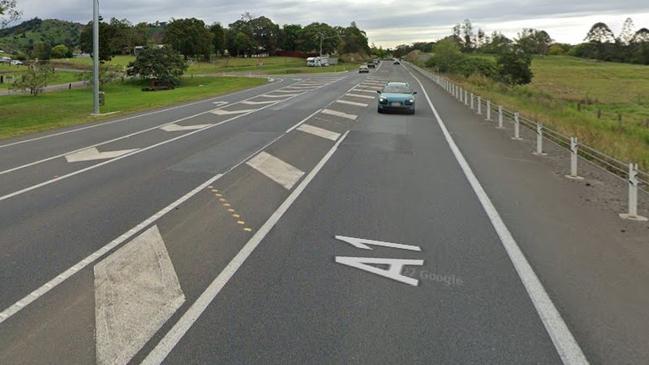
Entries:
{"x":388,"y":22}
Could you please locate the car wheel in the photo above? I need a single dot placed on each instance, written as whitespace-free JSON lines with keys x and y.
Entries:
{"x":379,"y":110}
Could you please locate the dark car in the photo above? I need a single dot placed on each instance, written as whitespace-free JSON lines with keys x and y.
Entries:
{"x":371,"y":65}
{"x":396,"y":97}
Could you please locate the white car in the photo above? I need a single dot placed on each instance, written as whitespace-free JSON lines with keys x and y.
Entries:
{"x":17,"y":62}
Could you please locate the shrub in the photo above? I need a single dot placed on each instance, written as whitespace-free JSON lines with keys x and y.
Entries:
{"x":35,"y":79}
{"x":475,"y":66}
{"x":514,"y":67}
{"x":161,"y":65}
{"x":61,"y":51}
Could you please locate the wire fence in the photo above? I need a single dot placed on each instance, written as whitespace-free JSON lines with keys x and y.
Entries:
{"x":628,"y":172}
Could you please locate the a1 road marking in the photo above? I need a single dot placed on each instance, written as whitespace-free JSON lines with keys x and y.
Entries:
{"x":395,"y":266}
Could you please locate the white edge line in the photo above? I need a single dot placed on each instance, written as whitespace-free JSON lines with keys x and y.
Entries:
{"x":110,"y":122}
{"x":25,"y":301}
{"x":171,"y":339}
{"x":563,"y":340}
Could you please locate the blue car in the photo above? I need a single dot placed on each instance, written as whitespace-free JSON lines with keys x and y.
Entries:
{"x":397,"y":97}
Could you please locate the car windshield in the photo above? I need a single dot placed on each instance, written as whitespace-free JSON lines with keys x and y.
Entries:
{"x":396,"y":89}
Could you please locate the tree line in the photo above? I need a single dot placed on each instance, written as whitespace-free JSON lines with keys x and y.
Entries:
{"x":630,"y":46}
{"x":247,"y":36}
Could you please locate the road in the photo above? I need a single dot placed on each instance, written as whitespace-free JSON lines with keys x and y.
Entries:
{"x":292,"y":223}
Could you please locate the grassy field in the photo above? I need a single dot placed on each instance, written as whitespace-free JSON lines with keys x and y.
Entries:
{"x":59,"y":77}
{"x":26,"y":114}
{"x":583,"y":98}
{"x":266,"y":65}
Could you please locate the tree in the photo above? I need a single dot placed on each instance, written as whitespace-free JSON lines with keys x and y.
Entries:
{"x":446,"y":55}
{"x":313,"y":33}
{"x":189,"y":36}
{"x":105,"y":37}
{"x":514,"y":67}
{"x":600,"y":33}
{"x":497,"y":43}
{"x":641,"y":36}
{"x":353,"y":40}
{"x":163,"y":65}
{"x":243,"y":44}
{"x":35,"y":79}
{"x":61,"y":51}
{"x":265,"y":33}
{"x":41,"y":51}
{"x":122,"y":40}
{"x":290,"y":38}
{"x":534,"y":41}
{"x":218,"y":40}
{"x":8,"y":12}
{"x":626,"y":36}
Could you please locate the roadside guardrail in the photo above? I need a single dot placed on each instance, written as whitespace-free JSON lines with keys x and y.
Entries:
{"x":636,"y":179}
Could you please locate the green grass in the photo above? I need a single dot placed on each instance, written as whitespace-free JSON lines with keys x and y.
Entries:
{"x":561,"y":83}
{"x":266,"y":65}
{"x":28,"y":114}
{"x":59,"y":77}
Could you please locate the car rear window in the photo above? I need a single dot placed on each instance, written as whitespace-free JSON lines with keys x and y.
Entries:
{"x":396,"y":89}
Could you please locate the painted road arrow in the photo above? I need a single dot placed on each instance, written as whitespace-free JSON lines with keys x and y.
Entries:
{"x":90,"y":154}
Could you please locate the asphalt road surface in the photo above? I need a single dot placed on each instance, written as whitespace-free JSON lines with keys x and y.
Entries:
{"x":292,"y":223}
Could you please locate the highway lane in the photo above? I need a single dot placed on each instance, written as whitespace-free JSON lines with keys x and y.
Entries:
{"x":49,"y":229}
{"x":278,"y":239}
{"x":306,"y":296}
{"x":86,"y":210}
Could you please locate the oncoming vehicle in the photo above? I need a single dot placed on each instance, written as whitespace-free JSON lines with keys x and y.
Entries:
{"x":371,"y":65}
{"x":363,"y":69}
{"x":396,"y":62}
{"x":396,"y":97}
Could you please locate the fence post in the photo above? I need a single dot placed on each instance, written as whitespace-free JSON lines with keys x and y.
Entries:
{"x":633,"y":196}
{"x":472,"y":102}
{"x":574,"y":156}
{"x":539,"y":140}
{"x":466,"y":97}
{"x":479,"y":105}
{"x":500,"y":117}
{"x":517,"y":127}
{"x":489,"y":110}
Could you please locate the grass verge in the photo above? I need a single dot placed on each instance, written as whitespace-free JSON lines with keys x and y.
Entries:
{"x":582,"y":98}
{"x":22,"y":114}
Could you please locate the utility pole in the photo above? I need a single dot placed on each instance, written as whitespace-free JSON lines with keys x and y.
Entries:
{"x":95,"y":55}
{"x":321,"y":38}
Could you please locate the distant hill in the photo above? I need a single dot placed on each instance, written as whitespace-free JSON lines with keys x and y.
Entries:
{"x":52,"y":31}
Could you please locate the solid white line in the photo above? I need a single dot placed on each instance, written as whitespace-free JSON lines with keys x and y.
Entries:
{"x":24,"y":302}
{"x":341,"y":101}
{"x":171,"y":339}
{"x":276,"y":169}
{"x":339,"y":114}
{"x":360,"y":96}
{"x":563,"y":340}
{"x":101,"y":124}
{"x":317,"y":131}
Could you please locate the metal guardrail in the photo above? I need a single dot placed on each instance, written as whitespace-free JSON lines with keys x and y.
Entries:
{"x":636,"y":179}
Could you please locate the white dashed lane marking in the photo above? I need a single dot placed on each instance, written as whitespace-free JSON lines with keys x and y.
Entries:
{"x":339,"y":114}
{"x":317,"y":131}
{"x":251,"y":102}
{"x":275,"y":169}
{"x":341,"y":101}
{"x":360,"y":96}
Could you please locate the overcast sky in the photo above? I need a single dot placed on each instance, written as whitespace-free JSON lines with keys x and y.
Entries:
{"x":387,"y":22}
